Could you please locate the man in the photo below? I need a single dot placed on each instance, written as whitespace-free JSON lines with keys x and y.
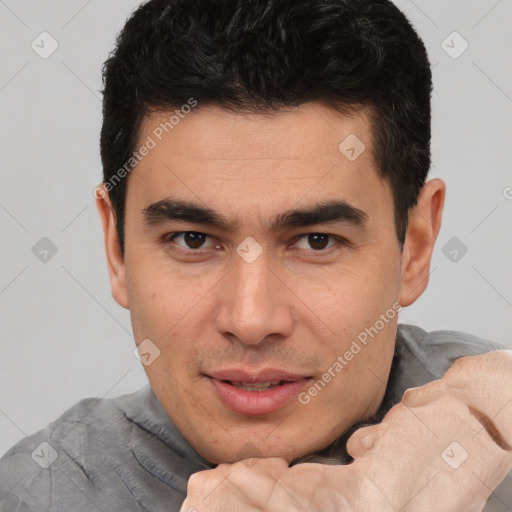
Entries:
{"x":266,"y":216}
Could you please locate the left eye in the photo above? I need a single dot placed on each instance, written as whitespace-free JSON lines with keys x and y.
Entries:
{"x":317,"y":241}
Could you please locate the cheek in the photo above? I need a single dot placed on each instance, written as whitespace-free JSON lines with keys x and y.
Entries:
{"x":151,"y":306}
{"x":355,"y":296}
{"x":361,"y":311}
{"x":159,"y":297}
{"x":167,"y":309}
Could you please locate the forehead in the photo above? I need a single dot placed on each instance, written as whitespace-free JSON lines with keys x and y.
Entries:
{"x":211,"y":133}
{"x":262,"y":163}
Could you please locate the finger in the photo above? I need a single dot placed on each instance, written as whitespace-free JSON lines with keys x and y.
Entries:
{"x":312,"y":487}
{"x":490,"y":396}
{"x":257,"y":480}
{"x":211,"y":491}
{"x":464,"y":457}
{"x":478,"y":398}
{"x":363,"y":440}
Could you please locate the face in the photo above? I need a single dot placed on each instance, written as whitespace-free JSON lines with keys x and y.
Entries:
{"x":261,"y":262}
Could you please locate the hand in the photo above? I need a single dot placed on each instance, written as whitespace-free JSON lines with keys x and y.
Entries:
{"x":466,"y":417}
{"x":270,"y":485}
{"x":398,"y":465}
{"x":436,"y":450}
{"x":484,"y":384}
{"x":433,"y":455}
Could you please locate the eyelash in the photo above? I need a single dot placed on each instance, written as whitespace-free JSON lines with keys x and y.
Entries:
{"x":340,"y":241}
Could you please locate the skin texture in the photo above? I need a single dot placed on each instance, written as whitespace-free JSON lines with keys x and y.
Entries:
{"x":456,"y":466}
{"x":459,"y":450}
{"x":297,"y":309}
{"x":294,"y":308}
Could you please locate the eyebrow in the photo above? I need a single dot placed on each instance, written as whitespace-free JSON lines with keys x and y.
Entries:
{"x":320,"y":213}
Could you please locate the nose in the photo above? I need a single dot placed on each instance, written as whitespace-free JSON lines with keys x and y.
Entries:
{"x":255,"y":303}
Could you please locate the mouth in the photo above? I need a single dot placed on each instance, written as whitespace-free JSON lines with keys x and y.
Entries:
{"x":257,"y":393}
{"x":255,"y":386}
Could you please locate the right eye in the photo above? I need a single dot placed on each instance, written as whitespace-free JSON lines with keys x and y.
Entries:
{"x":191,"y":240}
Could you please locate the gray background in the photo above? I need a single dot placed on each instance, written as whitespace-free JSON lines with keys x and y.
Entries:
{"x":64,"y":338}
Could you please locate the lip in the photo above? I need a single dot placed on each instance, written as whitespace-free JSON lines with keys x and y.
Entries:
{"x":254,"y":403}
{"x":263,"y":375}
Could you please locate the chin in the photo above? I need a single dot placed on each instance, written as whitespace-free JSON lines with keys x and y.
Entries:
{"x":250,"y":450}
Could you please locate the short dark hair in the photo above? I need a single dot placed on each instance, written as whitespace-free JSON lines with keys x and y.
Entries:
{"x":266,"y":55}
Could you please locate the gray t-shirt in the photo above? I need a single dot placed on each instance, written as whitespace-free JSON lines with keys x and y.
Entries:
{"x":125,"y":454}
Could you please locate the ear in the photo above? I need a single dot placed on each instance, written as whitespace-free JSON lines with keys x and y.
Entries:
{"x":422,"y":231}
{"x":115,"y":259}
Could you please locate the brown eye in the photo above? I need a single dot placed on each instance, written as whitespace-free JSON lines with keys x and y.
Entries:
{"x":189,"y":240}
{"x":318,"y":241}
{"x":193,"y":239}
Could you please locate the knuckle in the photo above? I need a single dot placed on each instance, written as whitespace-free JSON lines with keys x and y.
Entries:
{"x":419,"y":395}
{"x":461,"y":367}
{"x":197,"y":480}
{"x":411,"y":396}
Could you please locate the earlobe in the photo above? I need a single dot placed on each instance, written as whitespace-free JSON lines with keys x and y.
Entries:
{"x":424,"y":226}
{"x":115,"y":259}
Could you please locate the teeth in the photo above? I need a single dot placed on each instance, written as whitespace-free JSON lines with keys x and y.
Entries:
{"x":255,"y":386}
